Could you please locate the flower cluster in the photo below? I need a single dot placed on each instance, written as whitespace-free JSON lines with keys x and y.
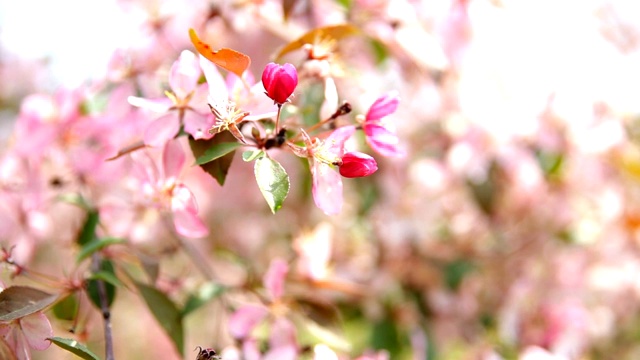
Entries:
{"x":372,"y":180}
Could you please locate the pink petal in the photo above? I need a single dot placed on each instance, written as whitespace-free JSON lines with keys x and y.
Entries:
{"x":274,"y":278}
{"x":183,"y":199}
{"x":184,"y":75}
{"x":198,"y":125}
{"x":21,"y":346}
{"x":382,"y":140}
{"x":338,"y":137}
{"x":144,"y":168}
{"x":282,"y":353}
{"x":236,"y":86}
{"x":251,"y":350}
{"x":173,"y":159}
{"x":242,"y":322}
{"x":160,"y":105}
{"x":37,"y":329}
{"x":199,"y":99}
{"x":383,"y":106}
{"x":162,"y":130}
{"x":217,"y":86}
{"x":282,"y":334}
{"x":188,"y":224}
{"x":326,"y":188}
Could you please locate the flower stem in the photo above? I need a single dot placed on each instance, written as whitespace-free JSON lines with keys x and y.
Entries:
{"x":277,"y":128}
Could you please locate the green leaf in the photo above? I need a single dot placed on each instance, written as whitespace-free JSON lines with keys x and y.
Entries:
{"x":454,"y":272}
{"x":87,"y":234}
{"x":206,"y":293}
{"x":106,"y":274}
{"x":97,"y":245}
{"x":166,"y":312}
{"x":272,"y":180}
{"x":550,"y":162}
{"x":386,"y":336}
{"x":74,"y":347}
{"x":67,"y":308}
{"x":345,"y":3}
{"x":74,"y":199}
{"x":251,"y":155}
{"x":217,"y":151}
{"x":19,"y":301}
{"x":380,"y":51}
{"x":219,"y":167}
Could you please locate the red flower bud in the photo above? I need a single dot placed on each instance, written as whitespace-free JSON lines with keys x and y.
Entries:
{"x":279,"y":81}
{"x":357,"y":164}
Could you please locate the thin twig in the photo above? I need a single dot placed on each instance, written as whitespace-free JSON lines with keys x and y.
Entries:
{"x":104,"y":307}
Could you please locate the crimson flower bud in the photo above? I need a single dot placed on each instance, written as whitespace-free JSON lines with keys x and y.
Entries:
{"x":357,"y":164}
{"x":279,"y":81}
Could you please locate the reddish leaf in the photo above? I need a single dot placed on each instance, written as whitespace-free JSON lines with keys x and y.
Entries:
{"x":228,"y":59}
{"x":19,"y":301}
{"x":327,"y":33}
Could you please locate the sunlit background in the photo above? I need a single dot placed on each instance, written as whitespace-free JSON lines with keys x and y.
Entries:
{"x":510,"y":230}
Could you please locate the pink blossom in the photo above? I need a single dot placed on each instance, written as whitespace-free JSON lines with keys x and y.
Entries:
{"x":323,"y":156}
{"x":279,"y":81}
{"x":168,"y":193}
{"x":282,"y":339}
{"x":186,"y":97}
{"x":274,"y":278}
{"x":245,"y":319}
{"x":231,"y":102}
{"x":28,"y":332}
{"x":379,"y":134}
{"x":357,"y":164}
{"x":45,"y":119}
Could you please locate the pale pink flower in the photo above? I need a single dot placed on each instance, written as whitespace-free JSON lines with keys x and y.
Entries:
{"x":187,"y":98}
{"x":245,"y":319}
{"x":455,"y":31}
{"x":45,"y":120}
{"x":167,"y":192}
{"x":323,"y":156}
{"x":29,"y":332}
{"x":273,"y":279}
{"x":232,"y":102}
{"x":282,"y":339}
{"x":379,"y":133}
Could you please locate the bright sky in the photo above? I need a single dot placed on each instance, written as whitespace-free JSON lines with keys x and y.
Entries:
{"x":77,"y":35}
